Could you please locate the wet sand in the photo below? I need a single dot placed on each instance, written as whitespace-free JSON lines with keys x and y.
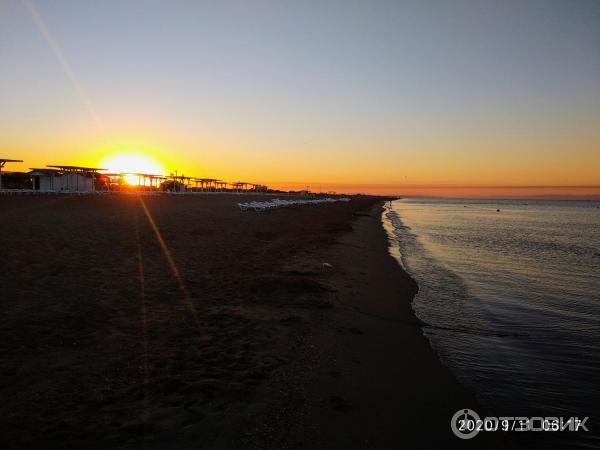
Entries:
{"x":368,"y":378}
{"x":181,"y":322}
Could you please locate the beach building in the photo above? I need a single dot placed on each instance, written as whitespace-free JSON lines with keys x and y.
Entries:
{"x":63,"y":179}
{"x":52,"y":180}
{"x":173,"y":186}
{"x":259,"y":188}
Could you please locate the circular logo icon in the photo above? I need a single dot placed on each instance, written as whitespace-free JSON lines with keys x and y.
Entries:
{"x":465,"y":423}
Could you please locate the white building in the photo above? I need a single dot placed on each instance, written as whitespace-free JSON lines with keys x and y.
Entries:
{"x":53,"y":180}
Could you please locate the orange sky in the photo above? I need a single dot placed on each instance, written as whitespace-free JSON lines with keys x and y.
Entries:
{"x":434,"y":169}
{"x":440,"y":173}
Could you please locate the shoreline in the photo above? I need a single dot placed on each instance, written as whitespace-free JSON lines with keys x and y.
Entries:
{"x":370,"y":378}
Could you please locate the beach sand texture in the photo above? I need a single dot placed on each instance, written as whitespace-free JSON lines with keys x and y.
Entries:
{"x":182,"y":322}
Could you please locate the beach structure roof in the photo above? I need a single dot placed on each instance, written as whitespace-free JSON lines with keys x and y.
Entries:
{"x":149,"y":175}
{"x":45,"y":170}
{"x":75,"y":168}
{"x":122,"y":174}
{"x":4,"y":160}
{"x":209,"y":184}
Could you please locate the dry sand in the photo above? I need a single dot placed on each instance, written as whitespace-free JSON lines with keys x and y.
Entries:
{"x":222,"y":330}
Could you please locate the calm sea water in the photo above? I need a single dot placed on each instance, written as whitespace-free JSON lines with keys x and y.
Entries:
{"x":512,"y":299}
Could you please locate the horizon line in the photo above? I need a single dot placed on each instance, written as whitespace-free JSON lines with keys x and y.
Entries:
{"x":445,"y":186}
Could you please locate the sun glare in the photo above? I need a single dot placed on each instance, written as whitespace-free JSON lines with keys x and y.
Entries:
{"x":131,"y":163}
{"x":132,"y":179}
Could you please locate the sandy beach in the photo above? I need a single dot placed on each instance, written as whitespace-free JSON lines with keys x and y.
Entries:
{"x":182,"y":322}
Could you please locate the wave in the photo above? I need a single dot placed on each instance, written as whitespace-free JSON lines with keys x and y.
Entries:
{"x":510,"y":305}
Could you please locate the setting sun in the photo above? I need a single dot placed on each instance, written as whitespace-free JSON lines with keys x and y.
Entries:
{"x":131,"y":163}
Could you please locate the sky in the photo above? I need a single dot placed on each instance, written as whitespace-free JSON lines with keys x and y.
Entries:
{"x":442,"y":97}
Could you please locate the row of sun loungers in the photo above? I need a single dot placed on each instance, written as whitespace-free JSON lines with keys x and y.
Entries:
{"x":277,"y":203}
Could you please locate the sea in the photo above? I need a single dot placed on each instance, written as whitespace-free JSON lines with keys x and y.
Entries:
{"x":510,"y":293}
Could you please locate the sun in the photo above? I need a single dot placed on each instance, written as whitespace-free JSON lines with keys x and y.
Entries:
{"x":130,"y":163}
{"x":132,"y":179}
